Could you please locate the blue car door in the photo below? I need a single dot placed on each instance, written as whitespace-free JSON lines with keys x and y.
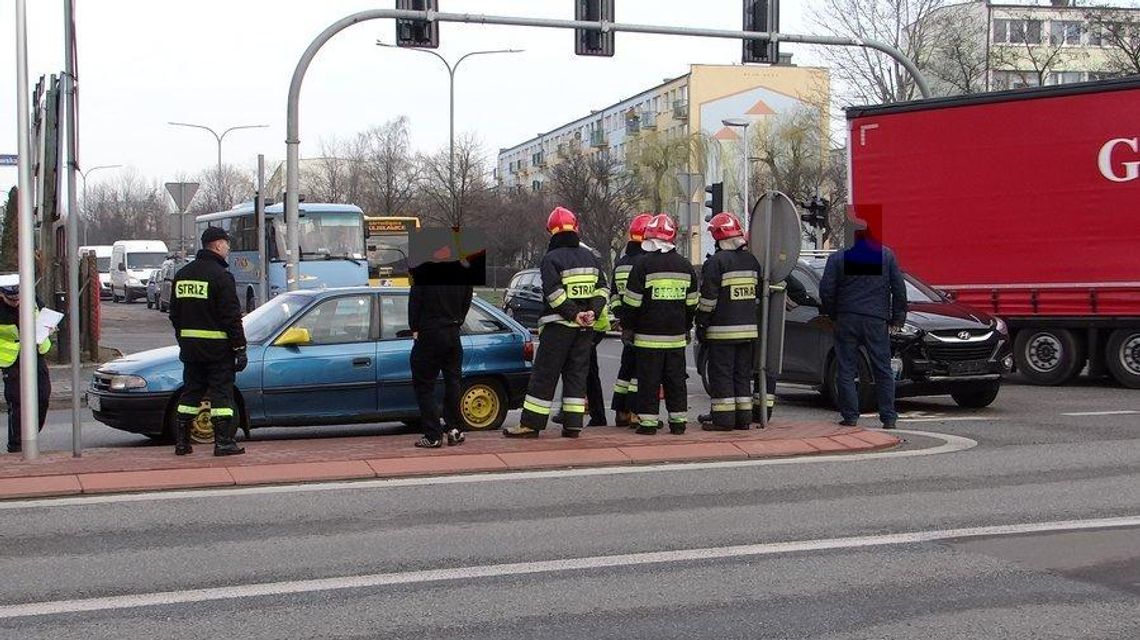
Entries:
{"x":393,"y":353}
{"x":331,"y":378}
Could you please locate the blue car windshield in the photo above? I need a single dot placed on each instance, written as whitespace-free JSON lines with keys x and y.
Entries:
{"x":263,"y":321}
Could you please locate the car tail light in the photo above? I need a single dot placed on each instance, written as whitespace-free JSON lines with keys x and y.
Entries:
{"x":528,"y":350}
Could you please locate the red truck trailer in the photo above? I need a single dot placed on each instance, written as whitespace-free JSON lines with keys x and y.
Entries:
{"x":1022,"y":203}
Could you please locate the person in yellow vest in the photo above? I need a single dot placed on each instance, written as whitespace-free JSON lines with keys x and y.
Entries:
{"x":10,"y":360}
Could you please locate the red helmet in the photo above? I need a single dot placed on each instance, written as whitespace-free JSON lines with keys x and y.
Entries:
{"x":637,"y":226}
{"x":725,"y":225}
{"x":661,"y":227}
{"x":561,"y":219}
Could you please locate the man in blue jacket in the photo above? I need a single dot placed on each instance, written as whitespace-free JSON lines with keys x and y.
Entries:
{"x":863,"y":292}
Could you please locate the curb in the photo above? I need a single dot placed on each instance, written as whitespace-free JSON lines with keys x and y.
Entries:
{"x":44,"y":485}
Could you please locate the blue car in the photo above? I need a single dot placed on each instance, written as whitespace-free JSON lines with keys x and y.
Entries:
{"x":335,"y":356}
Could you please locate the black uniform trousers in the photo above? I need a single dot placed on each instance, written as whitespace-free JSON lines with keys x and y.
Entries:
{"x":656,"y":368}
{"x":730,"y":382}
{"x":625,"y":388}
{"x":595,"y":397}
{"x":564,"y":352}
{"x":211,"y":381}
{"x":12,"y":397}
{"x":437,"y":351}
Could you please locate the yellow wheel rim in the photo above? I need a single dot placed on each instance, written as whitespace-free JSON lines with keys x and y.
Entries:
{"x":202,"y":430}
{"x":480,"y":406}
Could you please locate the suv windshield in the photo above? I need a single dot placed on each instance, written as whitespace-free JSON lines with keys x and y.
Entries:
{"x":264,"y":320}
{"x":916,"y":290}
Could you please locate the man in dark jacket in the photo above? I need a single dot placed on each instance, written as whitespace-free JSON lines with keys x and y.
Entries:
{"x":863,"y":292}
{"x":658,"y":308}
{"x":625,"y":387}
{"x":206,"y":315}
{"x":435,"y":315}
{"x":575,"y":297}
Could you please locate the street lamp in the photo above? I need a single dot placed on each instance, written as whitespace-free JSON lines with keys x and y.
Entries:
{"x":742,"y":123}
{"x":219,"y":138}
{"x":451,"y":69}
{"x":86,"y":212}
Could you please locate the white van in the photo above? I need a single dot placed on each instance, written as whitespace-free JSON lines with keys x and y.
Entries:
{"x":131,"y":264}
{"x":103,"y":260}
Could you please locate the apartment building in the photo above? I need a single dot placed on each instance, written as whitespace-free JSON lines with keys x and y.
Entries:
{"x":697,"y":101}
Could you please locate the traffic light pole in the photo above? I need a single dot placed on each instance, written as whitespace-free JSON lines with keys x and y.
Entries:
{"x":293,"y":122}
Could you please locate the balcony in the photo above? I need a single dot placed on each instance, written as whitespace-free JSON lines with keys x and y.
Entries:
{"x":598,"y":138}
{"x":648,"y":120}
{"x":632,"y":125}
{"x":681,"y":110}
{"x":538,"y":159}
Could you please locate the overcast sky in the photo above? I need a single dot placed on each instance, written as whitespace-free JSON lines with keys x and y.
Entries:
{"x":228,"y":62}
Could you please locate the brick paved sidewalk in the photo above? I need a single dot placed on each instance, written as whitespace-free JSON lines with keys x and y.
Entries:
{"x":312,"y":460}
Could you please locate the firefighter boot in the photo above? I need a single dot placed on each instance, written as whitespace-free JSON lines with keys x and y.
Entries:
{"x":182,"y":435}
{"x":224,"y":443}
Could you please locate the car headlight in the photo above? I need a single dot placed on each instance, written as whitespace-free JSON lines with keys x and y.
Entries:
{"x":122,"y":383}
{"x":1000,"y":326}
{"x":908,"y":329}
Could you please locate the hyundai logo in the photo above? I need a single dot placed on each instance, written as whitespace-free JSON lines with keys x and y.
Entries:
{"x":963,"y":335}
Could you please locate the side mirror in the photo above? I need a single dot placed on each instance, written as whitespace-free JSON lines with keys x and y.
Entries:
{"x":949,"y":295}
{"x":293,"y":336}
{"x":404,"y":333}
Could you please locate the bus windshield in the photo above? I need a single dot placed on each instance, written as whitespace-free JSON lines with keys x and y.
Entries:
{"x":328,"y":236}
{"x":388,"y":256}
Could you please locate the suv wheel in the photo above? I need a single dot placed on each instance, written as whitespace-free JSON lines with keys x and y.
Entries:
{"x":976,"y":397}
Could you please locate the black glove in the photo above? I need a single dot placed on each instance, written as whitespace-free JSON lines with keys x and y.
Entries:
{"x":701,"y":331}
{"x":240,"y":360}
{"x":627,"y":336}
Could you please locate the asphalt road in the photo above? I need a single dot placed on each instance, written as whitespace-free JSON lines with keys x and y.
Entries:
{"x":812,"y":549}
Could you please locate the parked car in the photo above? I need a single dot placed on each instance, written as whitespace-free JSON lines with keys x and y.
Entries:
{"x":103,"y":264}
{"x":131,"y":260}
{"x":523,"y":299}
{"x":152,"y":284}
{"x":945,"y":348}
{"x":333,"y":356}
{"x":166,"y":275}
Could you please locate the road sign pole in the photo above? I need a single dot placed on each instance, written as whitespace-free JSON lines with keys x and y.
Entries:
{"x":29,"y":396}
{"x":72,"y":232}
{"x":768,"y":209}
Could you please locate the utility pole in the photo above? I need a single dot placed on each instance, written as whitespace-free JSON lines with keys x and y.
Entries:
{"x":29,"y":396}
{"x":219,"y":138}
{"x":72,"y":228}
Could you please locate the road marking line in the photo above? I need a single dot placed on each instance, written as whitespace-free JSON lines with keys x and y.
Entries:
{"x":951,"y":444}
{"x":950,"y":419}
{"x":1101,"y":413}
{"x":57,"y":607}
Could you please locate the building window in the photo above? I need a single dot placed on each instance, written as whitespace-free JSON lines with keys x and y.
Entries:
{"x":1065,"y":32}
{"x":1017,"y":31}
{"x":1064,"y":77}
{"x":1102,"y":75}
{"x":1015,"y":79}
{"x":535,"y":185}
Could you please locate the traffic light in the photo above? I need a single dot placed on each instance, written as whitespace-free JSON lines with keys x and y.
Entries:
{"x":817,"y":209}
{"x":423,"y":34}
{"x":761,"y":15}
{"x":589,"y":42}
{"x":715,"y":203}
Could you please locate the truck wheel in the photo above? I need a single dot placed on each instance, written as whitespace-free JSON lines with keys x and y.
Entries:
{"x":977,"y":397}
{"x":864,"y":390}
{"x":1048,"y":356}
{"x":1122,"y":356}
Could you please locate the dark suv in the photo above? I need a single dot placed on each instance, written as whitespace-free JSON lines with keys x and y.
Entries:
{"x":523,"y":299}
{"x":944,"y":348}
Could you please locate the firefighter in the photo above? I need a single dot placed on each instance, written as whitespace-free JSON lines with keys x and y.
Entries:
{"x":625,"y":388}
{"x":206,"y":315}
{"x":659,"y":303}
{"x":726,"y":322}
{"x":10,"y":360}
{"x":575,"y":295}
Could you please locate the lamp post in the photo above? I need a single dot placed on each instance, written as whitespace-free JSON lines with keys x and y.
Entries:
{"x":219,"y":138}
{"x":742,"y":123}
{"x":86,"y":212}
{"x":451,"y":69}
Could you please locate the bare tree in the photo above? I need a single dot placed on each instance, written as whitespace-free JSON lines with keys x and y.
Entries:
{"x":1119,"y":32}
{"x":444,"y":203}
{"x":130,"y":207}
{"x":656,"y":158}
{"x":234,"y":187}
{"x":869,"y":76}
{"x":389,"y":167}
{"x":1037,"y":55}
{"x":960,"y":56}
{"x":514,"y":224}
{"x":792,"y":149}
{"x":334,"y":176}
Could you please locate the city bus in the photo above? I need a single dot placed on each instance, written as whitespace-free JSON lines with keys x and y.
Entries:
{"x":332,"y":247}
{"x":387,"y":239}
